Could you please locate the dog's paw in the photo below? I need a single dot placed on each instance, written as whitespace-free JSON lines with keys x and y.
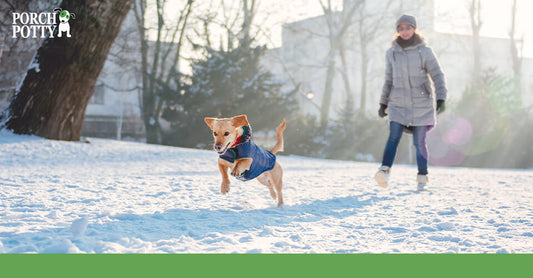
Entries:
{"x":236,"y":172}
{"x":224,"y":188}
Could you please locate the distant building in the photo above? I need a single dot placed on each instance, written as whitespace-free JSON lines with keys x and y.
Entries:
{"x":114,"y":111}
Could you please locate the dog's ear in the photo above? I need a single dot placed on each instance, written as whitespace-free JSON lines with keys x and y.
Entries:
{"x":209,"y":122}
{"x":239,"y":121}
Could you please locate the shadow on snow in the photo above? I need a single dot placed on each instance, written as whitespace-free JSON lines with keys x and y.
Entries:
{"x":196,"y":224}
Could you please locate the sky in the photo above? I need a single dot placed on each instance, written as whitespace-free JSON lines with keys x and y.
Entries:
{"x":451,"y":16}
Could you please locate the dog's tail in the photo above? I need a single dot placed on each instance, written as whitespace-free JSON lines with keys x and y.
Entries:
{"x":279,"y":138}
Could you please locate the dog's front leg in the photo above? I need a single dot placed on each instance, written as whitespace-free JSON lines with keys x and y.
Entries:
{"x":223,"y":166}
{"x":241,"y":165}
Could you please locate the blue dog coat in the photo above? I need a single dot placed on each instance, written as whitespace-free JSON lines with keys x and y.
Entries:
{"x":263,"y":160}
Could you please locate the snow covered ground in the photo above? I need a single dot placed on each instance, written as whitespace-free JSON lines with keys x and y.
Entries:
{"x":120,"y":197}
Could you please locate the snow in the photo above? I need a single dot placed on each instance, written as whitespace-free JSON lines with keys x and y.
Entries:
{"x":123,"y":197}
{"x":34,"y":66}
{"x":79,"y":226}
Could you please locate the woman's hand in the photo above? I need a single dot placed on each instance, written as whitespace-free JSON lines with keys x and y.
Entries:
{"x":382,"y":108}
{"x":440,"y":106}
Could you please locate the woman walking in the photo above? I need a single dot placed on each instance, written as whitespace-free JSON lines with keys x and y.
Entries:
{"x":408,"y":97}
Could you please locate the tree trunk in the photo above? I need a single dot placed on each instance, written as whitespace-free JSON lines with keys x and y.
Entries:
{"x":54,"y":94}
{"x":336,"y":36}
{"x":344,"y":72}
{"x":475,"y":21}
{"x":364,"y":71}
{"x":249,"y":11}
{"x":147,"y":98}
{"x":158,"y":69}
{"x":515,"y":55}
{"x":328,"y":89}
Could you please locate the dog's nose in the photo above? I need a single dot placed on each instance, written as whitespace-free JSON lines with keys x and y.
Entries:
{"x":218,"y":147}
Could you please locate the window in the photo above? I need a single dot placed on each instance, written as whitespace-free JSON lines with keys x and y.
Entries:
{"x":98,"y":94}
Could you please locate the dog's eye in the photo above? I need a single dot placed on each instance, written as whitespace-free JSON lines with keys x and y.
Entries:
{"x":214,"y":133}
{"x":226,"y":133}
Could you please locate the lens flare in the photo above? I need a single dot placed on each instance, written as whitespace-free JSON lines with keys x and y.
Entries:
{"x":450,"y":142}
{"x":460,"y":133}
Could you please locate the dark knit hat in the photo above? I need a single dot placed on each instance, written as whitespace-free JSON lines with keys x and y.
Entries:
{"x":406,"y":19}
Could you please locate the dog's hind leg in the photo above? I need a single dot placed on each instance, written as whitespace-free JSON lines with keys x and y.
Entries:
{"x":266,"y":179}
{"x":276,"y":179}
{"x":278,"y":183}
{"x":273,"y":180}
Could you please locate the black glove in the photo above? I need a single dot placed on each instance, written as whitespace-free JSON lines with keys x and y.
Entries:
{"x":382,"y":108}
{"x":440,"y":106}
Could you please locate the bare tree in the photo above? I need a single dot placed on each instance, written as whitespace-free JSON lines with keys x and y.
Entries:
{"x":289,"y":67}
{"x":516,"y":54}
{"x":156,"y":56}
{"x":249,"y":9}
{"x":338,"y":24}
{"x":368,"y":25}
{"x":475,"y":24}
{"x":236,"y":20}
{"x":52,"y":99}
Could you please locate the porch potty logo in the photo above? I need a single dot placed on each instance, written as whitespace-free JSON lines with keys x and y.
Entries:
{"x":41,"y":25}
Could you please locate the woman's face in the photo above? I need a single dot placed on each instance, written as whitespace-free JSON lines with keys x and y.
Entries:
{"x":406,"y":31}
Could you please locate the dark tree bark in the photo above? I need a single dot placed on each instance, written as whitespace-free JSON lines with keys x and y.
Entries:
{"x":53,"y":97}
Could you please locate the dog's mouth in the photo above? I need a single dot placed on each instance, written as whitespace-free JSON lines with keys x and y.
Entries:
{"x":223,"y":150}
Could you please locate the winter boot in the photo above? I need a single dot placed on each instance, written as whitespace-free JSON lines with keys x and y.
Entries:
{"x":422,"y":182}
{"x":382,"y":176}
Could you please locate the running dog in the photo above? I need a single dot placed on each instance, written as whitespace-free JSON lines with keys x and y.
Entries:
{"x":246,"y":160}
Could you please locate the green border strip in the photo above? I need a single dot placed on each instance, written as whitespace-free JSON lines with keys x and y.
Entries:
{"x":265,"y":265}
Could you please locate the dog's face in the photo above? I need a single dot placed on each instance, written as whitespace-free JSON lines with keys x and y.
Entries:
{"x":225,"y":131}
{"x":64,"y":16}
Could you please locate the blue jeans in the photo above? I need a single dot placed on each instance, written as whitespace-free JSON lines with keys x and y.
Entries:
{"x":419,"y":140}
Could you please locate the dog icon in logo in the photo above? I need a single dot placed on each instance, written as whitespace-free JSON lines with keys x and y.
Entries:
{"x":64,"y":26}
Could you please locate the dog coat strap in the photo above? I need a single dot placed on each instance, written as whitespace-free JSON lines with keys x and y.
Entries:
{"x":230,"y":155}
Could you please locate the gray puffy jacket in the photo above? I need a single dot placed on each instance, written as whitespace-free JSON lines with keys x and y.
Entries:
{"x":407,"y":90}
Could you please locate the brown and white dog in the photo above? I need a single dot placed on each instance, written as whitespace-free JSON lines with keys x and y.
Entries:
{"x":243,"y":157}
